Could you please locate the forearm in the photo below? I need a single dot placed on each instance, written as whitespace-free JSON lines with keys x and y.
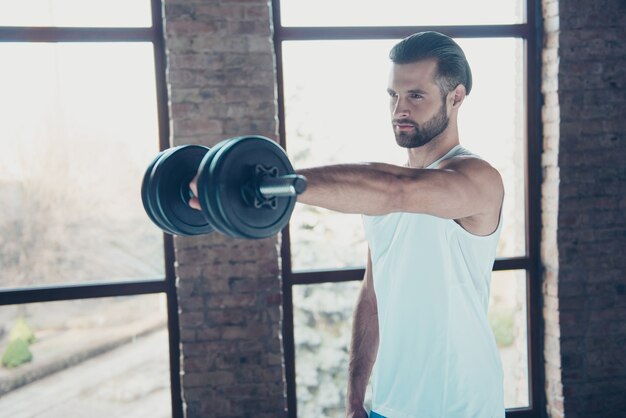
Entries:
{"x":363,"y":350}
{"x":350,"y":188}
{"x":462,"y":189}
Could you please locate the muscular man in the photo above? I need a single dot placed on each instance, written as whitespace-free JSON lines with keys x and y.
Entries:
{"x":432,"y":227}
{"x":420,"y":327}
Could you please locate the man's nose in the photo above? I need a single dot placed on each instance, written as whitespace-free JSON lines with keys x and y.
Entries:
{"x":400,"y":109}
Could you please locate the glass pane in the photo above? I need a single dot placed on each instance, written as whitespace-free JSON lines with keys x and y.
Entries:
{"x":493,"y":125}
{"x":85,"y":13}
{"x":322,"y":329}
{"x":507,"y":316}
{"x":97,"y":358}
{"x":400,"y":12}
{"x":322,"y":315}
{"x":319,"y":100}
{"x":79,"y":128}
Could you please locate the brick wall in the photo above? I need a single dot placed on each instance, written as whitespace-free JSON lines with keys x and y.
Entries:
{"x":585,"y":182}
{"x":549,"y":210}
{"x":221,"y":74}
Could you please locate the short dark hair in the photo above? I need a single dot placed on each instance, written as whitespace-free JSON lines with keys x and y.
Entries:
{"x":452,"y":66}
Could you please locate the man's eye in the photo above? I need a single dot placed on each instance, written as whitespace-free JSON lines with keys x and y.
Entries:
{"x":416,"y":96}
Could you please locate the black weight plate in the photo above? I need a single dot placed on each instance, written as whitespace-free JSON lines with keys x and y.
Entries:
{"x":154,"y":198}
{"x":234,"y":166}
{"x":145,"y":198}
{"x":217,"y":194}
{"x":207,"y":195}
{"x":169,"y":183}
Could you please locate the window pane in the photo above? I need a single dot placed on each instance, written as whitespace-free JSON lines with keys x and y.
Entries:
{"x":97,"y":357}
{"x":322,"y":329}
{"x":339,"y":113}
{"x":322,"y":318}
{"x":400,"y":12}
{"x":85,"y":13}
{"x":493,"y":125}
{"x":507,"y":316}
{"x":79,"y":128}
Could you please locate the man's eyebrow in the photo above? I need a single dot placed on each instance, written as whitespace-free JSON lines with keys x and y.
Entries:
{"x":413,"y":91}
{"x":418,"y":91}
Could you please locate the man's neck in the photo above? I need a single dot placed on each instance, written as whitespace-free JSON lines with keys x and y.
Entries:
{"x":422,"y":157}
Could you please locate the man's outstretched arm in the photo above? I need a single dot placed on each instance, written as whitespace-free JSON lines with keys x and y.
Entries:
{"x":364,"y":346}
{"x":461,"y":188}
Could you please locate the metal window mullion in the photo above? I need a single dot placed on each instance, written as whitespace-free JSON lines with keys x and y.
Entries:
{"x":173,"y":323}
{"x":81,"y":291}
{"x":520,"y":413}
{"x":75,"y":34}
{"x":300,"y":33}
{"x":288,"y":336}
{"x":513,"y":263}
{"x":533,"y":206}
{"x":327,"y":276}
{"x":346,"y":275}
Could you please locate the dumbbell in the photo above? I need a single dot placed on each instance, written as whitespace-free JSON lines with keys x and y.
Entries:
{"x":247,"y":188}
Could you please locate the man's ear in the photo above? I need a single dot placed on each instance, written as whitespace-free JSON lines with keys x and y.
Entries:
{"x":458,"y":95}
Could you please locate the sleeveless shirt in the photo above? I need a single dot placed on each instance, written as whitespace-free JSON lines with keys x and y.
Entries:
{"x":437,"y":356}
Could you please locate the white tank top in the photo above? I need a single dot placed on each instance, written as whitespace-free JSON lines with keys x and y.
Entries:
{"x":437,"y":356}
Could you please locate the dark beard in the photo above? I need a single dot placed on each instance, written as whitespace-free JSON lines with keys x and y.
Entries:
{"x":423,"y":134}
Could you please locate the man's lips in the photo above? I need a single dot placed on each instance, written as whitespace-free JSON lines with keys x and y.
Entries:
{"x":404,"y":126}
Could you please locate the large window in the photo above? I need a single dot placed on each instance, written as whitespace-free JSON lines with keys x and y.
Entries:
{"x":333,"y":69}
{"x":87,"y":295}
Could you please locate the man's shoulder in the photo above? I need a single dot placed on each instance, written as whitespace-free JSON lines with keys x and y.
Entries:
{"x":470,"y":164}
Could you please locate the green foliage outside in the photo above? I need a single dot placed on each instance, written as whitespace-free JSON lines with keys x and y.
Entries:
{"x":502,"y":325}
{"x":17,"y":351}
{"x":21,"y":331}
{"x":16,"y":354}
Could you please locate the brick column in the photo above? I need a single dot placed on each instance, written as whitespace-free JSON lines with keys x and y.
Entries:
{"x":592,"y":202}
{"x":585,"y":182}
{"x":221,"y":74}
{"x":549,"y":209}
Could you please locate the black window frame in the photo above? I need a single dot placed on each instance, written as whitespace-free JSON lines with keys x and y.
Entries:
{"x":531,"y":33}
{"x":167,"y":284}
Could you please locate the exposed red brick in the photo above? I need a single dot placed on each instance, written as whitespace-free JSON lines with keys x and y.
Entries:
{"x":584,"y":282}
{"x":222,"y":84}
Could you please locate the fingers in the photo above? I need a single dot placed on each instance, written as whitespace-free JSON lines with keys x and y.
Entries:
{"x":193,"y":186}
{"x":194,"y":203}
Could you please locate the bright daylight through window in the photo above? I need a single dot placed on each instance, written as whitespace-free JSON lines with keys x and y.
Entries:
{"x":80,"y":123}
{"x":336,"y":110}
{"x":67,"y":111}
